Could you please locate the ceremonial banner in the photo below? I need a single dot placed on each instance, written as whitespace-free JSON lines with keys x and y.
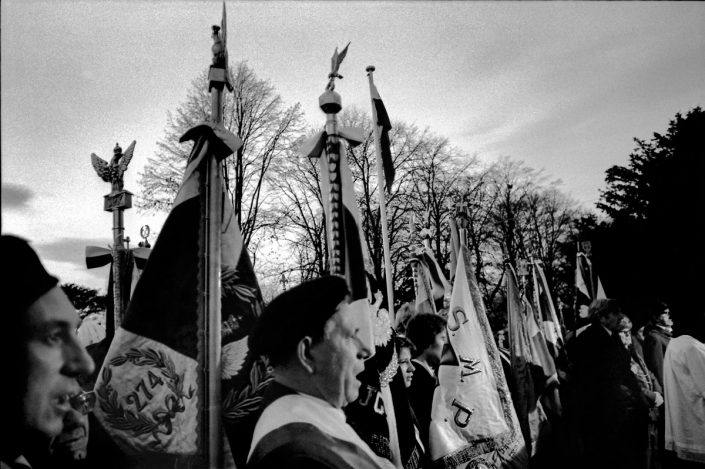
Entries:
{"x":133,"y":262}
{"x":244,"y":375}
{"x":383,"y":122}
{"x":424,"y":289}
{"x":522,"y":327}
{"x":455,"y":247}
{"x":474,"y":423}
{"x":372,"y":414}
{"x":150,"y":386}
{"x":431,"y":283}
{"x":547,"y":311}
{"x":543,"y":368}
{"x":438,"y":279}
{"x":373,"y":421}
{"x":587,"y":284}
{"x":540,"y":355}
{"x":355,"y":253}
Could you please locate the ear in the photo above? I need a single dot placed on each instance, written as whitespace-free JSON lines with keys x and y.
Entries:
{"x":304,"y":355}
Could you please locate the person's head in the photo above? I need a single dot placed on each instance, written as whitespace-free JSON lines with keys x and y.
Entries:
{"x":315,"y":340}
{"x":608,"y":312}
{"x":501,"y":338}
{"x":39,"y":343}
{"x":584,"y":311}
{"x":640,"y":333}
{"x":428,"y":334}
{"x":661,"y":316}
{"x":404,"y":350}
{"x":625,"y":331}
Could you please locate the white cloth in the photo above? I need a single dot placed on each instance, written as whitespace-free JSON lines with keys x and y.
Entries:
{"x":317,"y":412}
{"x":684,"y":389}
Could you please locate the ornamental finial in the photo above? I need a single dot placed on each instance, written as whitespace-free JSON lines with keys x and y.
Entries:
{"x":113,"y":172}
{"x":336,"y":60}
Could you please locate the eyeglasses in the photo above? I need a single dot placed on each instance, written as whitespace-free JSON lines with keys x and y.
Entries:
{"x":83,"y":402}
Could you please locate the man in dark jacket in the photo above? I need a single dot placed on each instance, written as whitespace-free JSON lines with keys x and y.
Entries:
{"x":428,"y":334}
{"x":613,"y":409}
{"x":657,"y":335}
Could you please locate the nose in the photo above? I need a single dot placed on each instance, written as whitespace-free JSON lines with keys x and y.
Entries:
{"x":78,"y":362}
{"x":364,"y":352}
{"x":411,"y":367}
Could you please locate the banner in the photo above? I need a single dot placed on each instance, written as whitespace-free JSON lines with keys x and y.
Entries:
{"x":473,"y":419}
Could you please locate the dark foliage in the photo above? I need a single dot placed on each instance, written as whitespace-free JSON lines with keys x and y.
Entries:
{"x":650,"y":250}
{"x":84,"y":299}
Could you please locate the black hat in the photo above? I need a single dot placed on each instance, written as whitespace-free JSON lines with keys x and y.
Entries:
{"x":24,"y":277}
{"x":299,"y":312}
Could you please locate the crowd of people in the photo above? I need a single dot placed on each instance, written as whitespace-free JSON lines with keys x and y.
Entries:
{"x":631,"y":399}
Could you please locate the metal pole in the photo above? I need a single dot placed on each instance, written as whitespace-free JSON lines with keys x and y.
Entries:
{"x":118,"y":230}
{"x":212,"y":313}
{"x":330,"y":104}
{"x":212,"y":260}
{"x":382,"y":205}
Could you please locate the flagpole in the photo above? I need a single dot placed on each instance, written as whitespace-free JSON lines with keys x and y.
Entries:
{"x":382,"y":205}
{"x":412,"y":232}
{"x":330,"y":103}
{"x":218,"y":79}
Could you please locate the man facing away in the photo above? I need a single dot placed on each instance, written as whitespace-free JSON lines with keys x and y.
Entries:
{"x":40,"y":352}
{"x":316,"y":344}
{"x":612,"y":407}
{"x":657,"y":335}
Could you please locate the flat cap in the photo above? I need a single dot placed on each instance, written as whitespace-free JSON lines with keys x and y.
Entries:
{"x":298,"y":312}
{"x":24,"y":277}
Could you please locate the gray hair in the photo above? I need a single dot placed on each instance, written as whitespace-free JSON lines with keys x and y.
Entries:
{"x":601,"y":307}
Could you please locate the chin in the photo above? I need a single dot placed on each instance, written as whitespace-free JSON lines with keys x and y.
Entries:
{"x":353,"y":394}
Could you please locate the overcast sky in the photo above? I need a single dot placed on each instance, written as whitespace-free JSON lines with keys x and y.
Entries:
{"x":563,"y":86}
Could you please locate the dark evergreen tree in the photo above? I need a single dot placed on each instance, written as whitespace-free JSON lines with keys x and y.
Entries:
{"x":650,"y":250}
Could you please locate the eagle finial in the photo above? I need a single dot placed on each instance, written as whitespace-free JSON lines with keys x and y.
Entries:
{"x":113,"y":172}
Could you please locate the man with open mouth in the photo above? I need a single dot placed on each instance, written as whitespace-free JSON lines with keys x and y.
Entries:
{"x":40,"y":352}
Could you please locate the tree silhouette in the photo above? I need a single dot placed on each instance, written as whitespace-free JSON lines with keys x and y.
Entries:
{"x":650,"y":248}
{"x":84,"y":299}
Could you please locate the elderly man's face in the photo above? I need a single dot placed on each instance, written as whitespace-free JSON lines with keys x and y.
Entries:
{"x":55,"y":358}
{"x":340,"y":356}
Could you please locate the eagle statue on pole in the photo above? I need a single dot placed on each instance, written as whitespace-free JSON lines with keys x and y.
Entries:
{"x":113,"y":172}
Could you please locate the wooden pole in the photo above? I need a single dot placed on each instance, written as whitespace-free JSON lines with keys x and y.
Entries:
{"x":382,"y":205}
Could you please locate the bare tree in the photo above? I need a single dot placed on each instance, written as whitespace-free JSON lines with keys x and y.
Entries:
{"x":303,"y":228}
{"x":256,"y":113}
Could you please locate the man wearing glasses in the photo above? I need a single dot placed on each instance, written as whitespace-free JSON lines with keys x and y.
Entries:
{"x":40,"y":352}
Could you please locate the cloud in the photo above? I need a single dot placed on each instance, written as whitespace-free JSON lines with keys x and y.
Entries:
{"x":16,"y":196}
{"x":71,"y":250}
{"x":67,"y":272}
{"x":66,"y":259}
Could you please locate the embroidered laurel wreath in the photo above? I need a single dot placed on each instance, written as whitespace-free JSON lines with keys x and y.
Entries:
{"x":239,"y":404}
{"x":139,"y":422}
